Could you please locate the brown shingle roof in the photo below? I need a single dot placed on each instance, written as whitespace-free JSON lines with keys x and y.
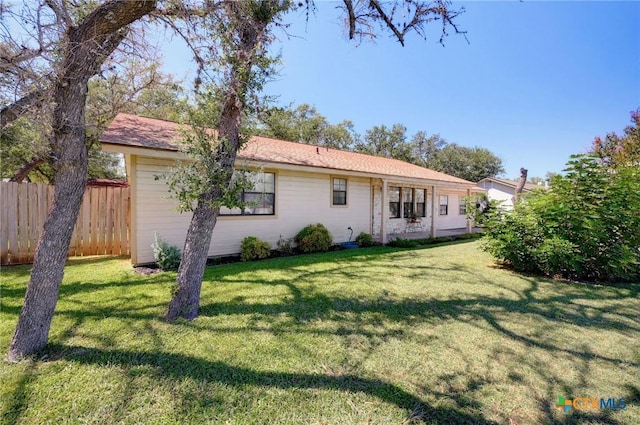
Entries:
{"x":132,"y":130}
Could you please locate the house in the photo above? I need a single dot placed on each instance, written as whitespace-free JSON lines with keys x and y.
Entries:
{"x":295,"y":185}
{"x":503,"y":190}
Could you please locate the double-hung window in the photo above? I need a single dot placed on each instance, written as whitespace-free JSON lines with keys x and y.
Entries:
{"x":463,"y":206}
{"x":339,"y":191}
{"x":407,"y":202}
{"x":259,"y":198}
{"x":421,"y":210}
{"x":444,"y":204}
{"x":394,"y":202}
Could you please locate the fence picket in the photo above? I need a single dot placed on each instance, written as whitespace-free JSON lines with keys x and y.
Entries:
{"x":101,"y":228}
{"x":4,"y":224}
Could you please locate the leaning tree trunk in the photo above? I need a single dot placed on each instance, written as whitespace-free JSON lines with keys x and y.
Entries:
{"x":520,"y":186}
{"x":87,"y":46}
{"x":186,"y":300}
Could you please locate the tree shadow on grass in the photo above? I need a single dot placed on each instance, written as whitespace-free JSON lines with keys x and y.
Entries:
{"x":178,"y":367}
{"x":15,"y":406}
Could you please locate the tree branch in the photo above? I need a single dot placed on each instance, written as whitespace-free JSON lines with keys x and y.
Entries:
{"x":62,"y":14}
{"x":12,"y":112}
{"x":24,"y":171}
{"x":352,"y":18}
{"x":387,"y":20}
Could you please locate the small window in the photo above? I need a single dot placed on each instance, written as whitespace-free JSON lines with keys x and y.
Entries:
{"x":394,"y":202}
{"x":407,"y":202}
{"x":463,"y":206}
{"x":339,"y":191}
{"x":421,"y":210}
{"x":444,"y":204}
{"x":259,"y":199}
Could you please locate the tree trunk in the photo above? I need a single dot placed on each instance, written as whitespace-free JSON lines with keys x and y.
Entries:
{"x":86,"y":48}
{"x":520,"y":186}
{"x":186,"y":300}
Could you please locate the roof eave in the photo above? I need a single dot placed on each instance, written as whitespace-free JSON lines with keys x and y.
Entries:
{"x":177,"y":155}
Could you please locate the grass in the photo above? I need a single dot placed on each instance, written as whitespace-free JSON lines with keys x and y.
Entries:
{"x":368,"y":336}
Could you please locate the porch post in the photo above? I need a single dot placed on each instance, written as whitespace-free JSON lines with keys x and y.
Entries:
{"x":383,"y":216}
{"x":469,"y":224}
{"x":434,"y":210}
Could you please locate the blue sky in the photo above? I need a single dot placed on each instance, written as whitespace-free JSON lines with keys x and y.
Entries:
{"x":536,"y":82}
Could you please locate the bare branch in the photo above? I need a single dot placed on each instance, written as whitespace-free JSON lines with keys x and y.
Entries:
{"x":388,"y":20}
{"x":351,"y":17}
{"x":400,"y":17}
{"x":61,"y":12}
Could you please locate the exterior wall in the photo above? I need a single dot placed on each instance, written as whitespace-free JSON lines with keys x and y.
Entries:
{"x":302,"y":198}
{"x":453,"y":220}
{"x":499,"y":192}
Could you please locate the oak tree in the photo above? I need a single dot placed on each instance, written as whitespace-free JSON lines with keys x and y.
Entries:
{"x":245,"y":30}
{"x":48,"y":70}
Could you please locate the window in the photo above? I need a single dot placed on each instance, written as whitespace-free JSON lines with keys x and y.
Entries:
{"x":394,"y":202}
{"x":407,"y":202}
{"x":463,"y":206}
{"x":421,"y":210}
{"x":444,"y":204}
{"x":339,"y":192}
{"x":259,"y":199}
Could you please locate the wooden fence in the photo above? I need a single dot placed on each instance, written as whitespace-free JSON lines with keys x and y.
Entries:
{"x":102,"y":227}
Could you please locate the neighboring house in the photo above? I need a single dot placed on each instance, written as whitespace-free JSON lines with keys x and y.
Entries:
{"x":295,"y":185}
{"x":503,"y":190}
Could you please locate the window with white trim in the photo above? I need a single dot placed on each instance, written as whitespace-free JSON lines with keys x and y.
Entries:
{"x":421,"y":209}
{"x":463,"y":205}
{"x":259,"y":199}
{"x":407,"y":202}
{"x":339,"y":191}
{"x":394,"y":202}
{"x":444,"y":204}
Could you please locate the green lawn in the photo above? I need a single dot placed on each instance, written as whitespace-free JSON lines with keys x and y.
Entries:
{"x":368,"y":336}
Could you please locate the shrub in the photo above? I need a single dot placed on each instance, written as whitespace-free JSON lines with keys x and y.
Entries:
{"x":167,"y":257}
{"x":585,"y":227}
{"x":285,"y":246}
{"x":314,"y":238}
{"x":253,"y":248}
{"x":365,"y":239}
{"x":404,"y":243}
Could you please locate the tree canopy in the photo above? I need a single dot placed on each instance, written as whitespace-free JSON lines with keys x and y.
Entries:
{"x":304,"y":124}
{"x":126,"y":85}
{"x":619,"y":151}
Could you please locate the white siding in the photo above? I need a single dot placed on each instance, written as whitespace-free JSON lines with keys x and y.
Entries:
{"x":453,"y":220}
{"x":301,"y":199}
{"x":500,"y":192}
